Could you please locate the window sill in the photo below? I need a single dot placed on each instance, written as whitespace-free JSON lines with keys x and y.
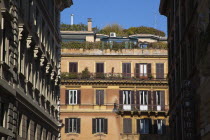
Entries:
{"x":100,"y":134}
{"x":72,"y":133}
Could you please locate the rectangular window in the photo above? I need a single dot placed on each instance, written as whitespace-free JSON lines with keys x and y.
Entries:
{"x":72,"y":125}
{"x":99,"y":67}
{"x":143,"y":46}
{"x":143,"y":98}
{"x":100,"y":125}
{"x":127,"y":126}
{"x":158,"y":98}
{"x":126,"y":69}
{"x":143,"y":69}
{"x":99,"y":97}
{"x":159,"y":70}
{"x":143,"y":126}
{"x":159,"y":126}
{"x":127,"y":97}
{"x":73,"y":67}
{"x":72,"y":97}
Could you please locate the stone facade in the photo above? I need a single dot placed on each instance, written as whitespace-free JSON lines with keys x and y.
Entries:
{"x":29,"y":69}
{"x":188,"y":45}
{"x":81,"y":101}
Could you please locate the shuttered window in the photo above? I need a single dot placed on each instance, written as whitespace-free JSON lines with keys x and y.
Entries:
{"x":72,"y":125}
{"x":144,"y":126}
{"x":99,"y":67}
{"x":73,"y":67}
{"x":99,"y":97}
{"x":73,"y":97}
{"x":100,"y":125}
{"x":143,"y":70}
{"x":159,"y":70}
{"x":159,"y":126}
{"x":127,"y":125}
{"x":126,"y":69}
{"x":159,"y":100}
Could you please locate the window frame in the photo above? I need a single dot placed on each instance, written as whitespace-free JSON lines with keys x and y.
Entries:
{"x":73,"y":125}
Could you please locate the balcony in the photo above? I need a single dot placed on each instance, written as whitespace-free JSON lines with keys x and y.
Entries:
{"x":141,"y":109}
{"x":114,"y":76}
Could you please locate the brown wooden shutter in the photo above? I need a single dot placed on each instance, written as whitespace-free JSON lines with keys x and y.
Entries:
{"x":66,"y":125}
{"x":127,"y":126}
{"x":102,"y":97}
{"x":78,"y":96}
{"x":97,"y":97}
{"x":121,"y":97}
{"x":154,"y":101}
{"x":126,"y":69}
{"x":99,"y":67}
{"x":137,"y":70}
{"x":93,"y":126}
{"x":137,"y":100}
{"x":155,"y":127}
{"x":67,"y":97}
{"x":138,"y":126}
{"x":129,"y":70}
{"x":132,"y":98}
{"x":149,"y":100}
{"x":106,"y":126}
{"x":159,"y":70}
{"x":149,"y":70}
{"x":78,"y":125}
{"x":73,"y":67}
{"x":162,"y":94}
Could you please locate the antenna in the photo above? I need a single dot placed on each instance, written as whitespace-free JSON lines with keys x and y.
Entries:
{"x":155,"y":22}
{"x":72,"y":19}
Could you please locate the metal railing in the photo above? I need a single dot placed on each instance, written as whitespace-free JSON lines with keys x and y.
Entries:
{"x":113,"y":76}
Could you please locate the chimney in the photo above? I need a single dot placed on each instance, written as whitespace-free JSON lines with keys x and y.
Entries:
{"x":89,"y":24}
{"x":72,"y":19}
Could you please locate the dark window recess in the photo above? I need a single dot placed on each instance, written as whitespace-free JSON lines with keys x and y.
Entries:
{"x":127,"y":125}
{"x":73,"y":67}
{"x":99,"y":97}
{"x":100,"y":125}
{"x":144,"y":126}
{"x":2,"y":111}
{"x":159,"y":70}
{"x":159,"y":127}
{"x":72,"y":125}
{"x":99,"y":67}
{"x":126,"y":70}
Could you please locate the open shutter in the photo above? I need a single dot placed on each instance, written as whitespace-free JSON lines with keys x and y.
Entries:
{"x":106,"y":126}
{"x":137,"y":70}
{"x":161,"y":71}
{"x":93,"y":126}
{"x":137,"y":100}
{"x":97,"y":97}
{"x":76,"y":67}
{"x":132,"y":99}
{"x":164,"y":126}
{"x":67,"y":97}
{"x":78,"y":125}
{"x":102,"y":97}
{"x":66,"y":125}
{"x":162,"y":100}
{"x":138,"y":126}
{"x":129,"y":70}
{"x":149,"y":70}
{"x":155,"y":127}
{"x":78,"y":96}
{"x":127,"y":126}
{"x":154,"y":101}
{"x":149,"y":101}
{"x":121,"y":97}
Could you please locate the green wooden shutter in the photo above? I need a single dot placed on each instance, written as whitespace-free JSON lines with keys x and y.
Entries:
{"x":93,"y":126}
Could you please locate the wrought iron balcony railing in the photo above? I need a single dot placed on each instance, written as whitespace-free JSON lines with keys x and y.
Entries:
{"x":113,"y":76}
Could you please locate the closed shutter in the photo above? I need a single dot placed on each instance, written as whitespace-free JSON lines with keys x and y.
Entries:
{"x":78,"y":125}
{"x":99,"y":67}
{"x":137,"y":99}
{"x":149,"y":70}
{"x":162,"y":100}
{"x":127,"y":126}
{"x":132,"y":98}
{"x":78,"y":96}
{"x":66,"y":125}
{"x":126,"y":69}
{"x":149,"y":100}
{"x":159,"y":70}
{"x":154,"y":101}
{"x":93,"y":126}
{"x":164,"y":126}
{"x":106,"y":126}
{"x":138,"y":126}
{"x":67,"y":97}
{"x":137,"y":70}
{"x":121,"y":97}
{"x":102,"y":97}
{"x":155,"y":127}
{"x":97,"y":97}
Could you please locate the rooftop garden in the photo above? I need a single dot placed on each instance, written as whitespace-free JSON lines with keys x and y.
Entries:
{"x":118,"y":29}
{"x":116,"y":46}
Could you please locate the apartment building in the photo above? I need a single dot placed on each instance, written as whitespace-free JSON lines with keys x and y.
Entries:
{"x":29,"y":69}
{"x":188,"y":40}
{"x":111,"y":93}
